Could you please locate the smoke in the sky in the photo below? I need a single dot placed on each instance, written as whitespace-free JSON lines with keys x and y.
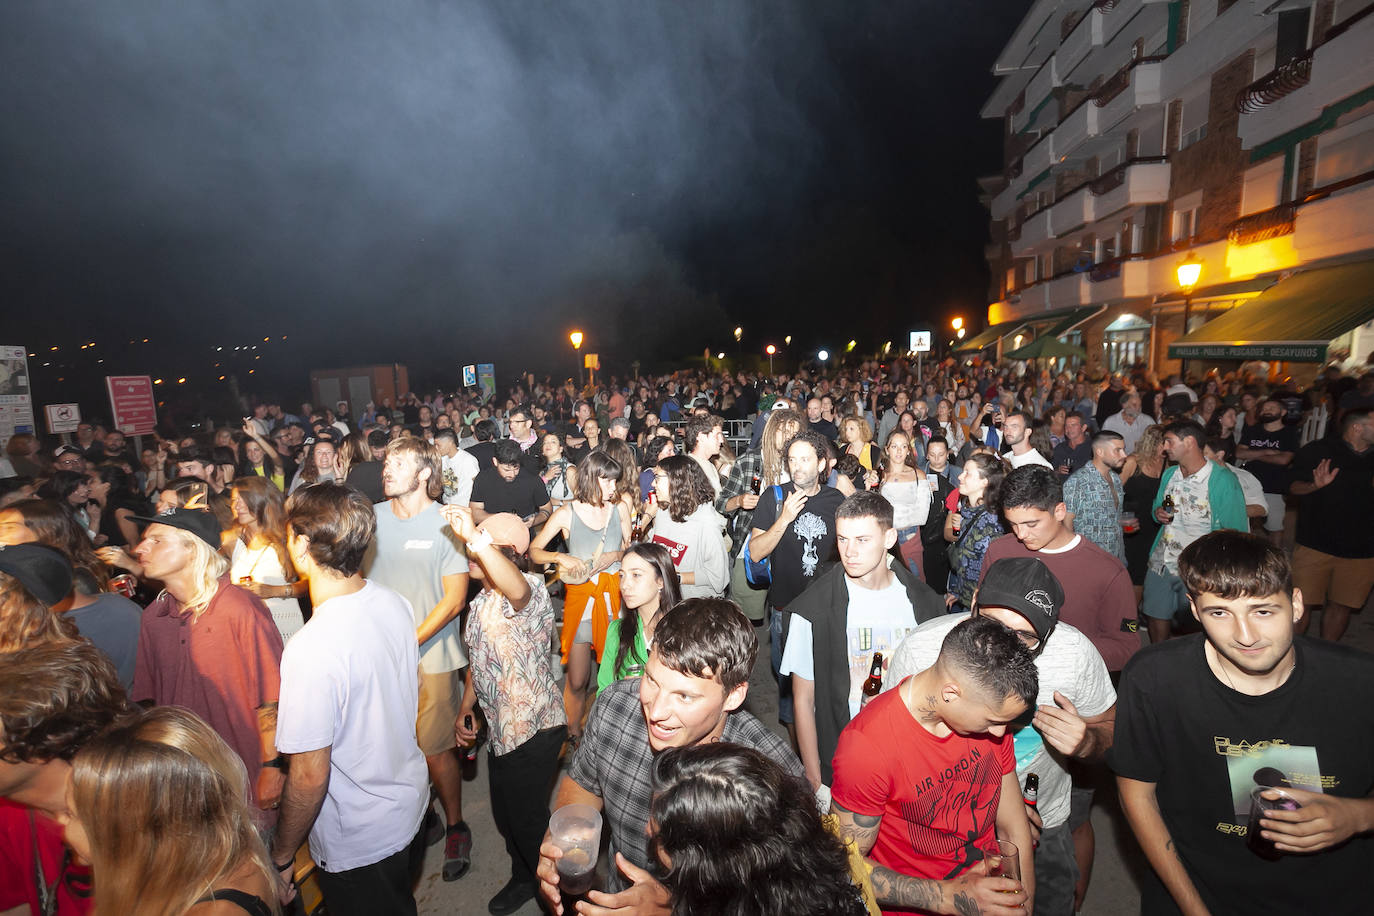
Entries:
{"x":426,"y":176}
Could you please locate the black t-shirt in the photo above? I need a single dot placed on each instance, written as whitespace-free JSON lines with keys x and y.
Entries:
{"x":1337,"y":518}
{"x":483,"y":452}
{"x":524,"y":496}
{"x":366,"y":478}
{"x":1273,"y":477}
{"x":806,"y":544}
{"x":1072,"y":457}
{"x":1203,"y":743}
{"x":826,"y":429}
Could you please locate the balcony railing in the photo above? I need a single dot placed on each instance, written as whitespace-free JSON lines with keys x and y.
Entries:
{"x":1120,"y":81}
{"x":1264,"y":225}
{"x":1273,"y":86}
{"x":1105,"y":6}
{"x":1110,"y":181}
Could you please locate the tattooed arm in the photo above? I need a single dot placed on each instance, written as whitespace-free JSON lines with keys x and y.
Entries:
{"x":1142,"y":810}
{"x":890,"y":887}
{"x":971,"y":894}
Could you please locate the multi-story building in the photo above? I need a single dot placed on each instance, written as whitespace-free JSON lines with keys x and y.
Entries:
{"x":1139,"y":134}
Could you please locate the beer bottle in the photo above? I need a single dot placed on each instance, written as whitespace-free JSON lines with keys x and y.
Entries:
{"x":874,"y":684}
{"x":756,"y":485}
{"x":1168,"y":504}
{"x":1031,"y":793}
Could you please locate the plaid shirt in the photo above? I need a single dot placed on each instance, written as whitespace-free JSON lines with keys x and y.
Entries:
{"x":614,"y":761}
{"x":740,"y":481}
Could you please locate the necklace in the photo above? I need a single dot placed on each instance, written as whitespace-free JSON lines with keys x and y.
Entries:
{"x":1215,"y":662}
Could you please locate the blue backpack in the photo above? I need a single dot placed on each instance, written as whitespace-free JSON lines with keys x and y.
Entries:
{"x":759,"y":573}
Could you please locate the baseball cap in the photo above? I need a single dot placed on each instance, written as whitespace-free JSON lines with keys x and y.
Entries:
{"x":1026,"y":586}
{"x":45,"y":572}
{"x":66,"y":450}
{"x":507,"y":530}
{"x":200,"y":522}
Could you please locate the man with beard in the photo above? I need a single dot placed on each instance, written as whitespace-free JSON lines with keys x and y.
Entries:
{"x":1016,"y":433}
{"x":1266,"y":449}
{"x":416,"y":554}
{"x":1093,"y":495}
{"x":1129,"y":421}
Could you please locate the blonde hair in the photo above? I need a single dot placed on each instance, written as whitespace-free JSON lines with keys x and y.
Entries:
{"x":206,"y":566}
{"x":164,"y":803}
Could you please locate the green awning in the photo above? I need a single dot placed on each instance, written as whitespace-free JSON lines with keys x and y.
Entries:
{"x":1294,"y":320}
{"x":1072,"y":318}
{"x":990,"y":336}
{"x":1232,"y":289}
{"x":1044,"y":347}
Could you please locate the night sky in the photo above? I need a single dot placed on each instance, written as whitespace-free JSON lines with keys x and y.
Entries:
{"x":447,"y":183}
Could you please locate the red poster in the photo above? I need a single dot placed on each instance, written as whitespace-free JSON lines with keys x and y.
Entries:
{"x":132,"y":404}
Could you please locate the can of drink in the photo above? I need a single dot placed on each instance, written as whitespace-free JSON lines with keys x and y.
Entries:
{"x":125,"y":584}
{"x":756,"y":484}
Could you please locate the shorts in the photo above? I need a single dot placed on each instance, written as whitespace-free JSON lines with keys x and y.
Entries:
{"x":1322,"y":578}
{"x":584,"y":632}
{"x":1274,"y":520}
{"x":440,"y":695}
{"x":1165,"y":596}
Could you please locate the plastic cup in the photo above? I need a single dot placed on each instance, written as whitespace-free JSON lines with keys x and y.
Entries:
{"x":1258,"y":805}
{"x":1129,"y":523}
{"x":1003,"y":860}
{"x":576,"y":830}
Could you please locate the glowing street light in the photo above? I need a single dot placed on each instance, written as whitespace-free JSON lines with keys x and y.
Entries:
{"x":770,"y":350}
{"x":787,"y":340}
{"x":849,"y":347}
{"x":1188,"y":272}
{"x":957,"y":323}
{"x":575,"y":338}
{"x":822,"y":355}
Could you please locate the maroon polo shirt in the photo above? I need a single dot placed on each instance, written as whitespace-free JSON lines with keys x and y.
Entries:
{"x":222,"y":666}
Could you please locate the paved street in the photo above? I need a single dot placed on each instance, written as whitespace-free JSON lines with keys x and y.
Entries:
{"x":1114,"y":884}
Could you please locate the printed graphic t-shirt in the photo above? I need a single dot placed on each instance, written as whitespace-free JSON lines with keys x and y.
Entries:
{"x":806,"y":544}
{"x":937,"y":796}
{"x":1206,"y":746}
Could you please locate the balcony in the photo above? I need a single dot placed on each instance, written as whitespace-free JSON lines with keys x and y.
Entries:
{"x":1133,"y":87}
{"x":1038,"y":158}
{"x":1126,"y":277}
{"x":1037,"y":94}
{"x":1276,"y":84}
{"x":1035,"y":231}
{"x":1080,"y":42}
{"x":1339,"y":67}
{"x":1133,"y":183}
{"x":1264,"y":225}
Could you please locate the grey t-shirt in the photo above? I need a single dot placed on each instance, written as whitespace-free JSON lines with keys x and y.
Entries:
{"x":111,"y":622}
{"x":411,"y":557}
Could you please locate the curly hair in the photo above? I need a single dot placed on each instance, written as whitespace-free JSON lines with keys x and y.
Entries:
{"x":669,"y":594}
{"x":688,"y":486}
{"x":744,"y":838}
{"x":54,"y":698}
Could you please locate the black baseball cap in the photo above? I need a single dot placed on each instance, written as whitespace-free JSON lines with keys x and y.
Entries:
{"x":200,"y":522}
{"x":1026,"y":586}
{"x":45,"y":572}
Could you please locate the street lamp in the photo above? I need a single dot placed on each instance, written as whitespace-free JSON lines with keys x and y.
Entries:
{"x":1188,"y":272}
{"x":957,"y":323}
{"x":739,"y":333}
{"x":770,"y":350}
{"x":576,"y":339}
{"x":822,"y":355}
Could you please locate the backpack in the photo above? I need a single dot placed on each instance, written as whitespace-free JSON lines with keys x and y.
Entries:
{"x":759,"y":573}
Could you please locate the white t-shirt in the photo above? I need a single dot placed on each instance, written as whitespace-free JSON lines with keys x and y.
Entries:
{"x":876,"y":622}
{"x":1250,"y":486}
{"x":458,"y":472}
{"x":1070,"y":664}
{"x":350,"y":682}
{"x":1031,"y":457}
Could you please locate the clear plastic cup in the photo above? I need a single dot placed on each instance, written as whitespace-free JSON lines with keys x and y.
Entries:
{"x":576,"y":830}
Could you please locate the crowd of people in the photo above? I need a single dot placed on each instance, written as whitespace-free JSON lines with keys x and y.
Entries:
{"x":290,"y":634}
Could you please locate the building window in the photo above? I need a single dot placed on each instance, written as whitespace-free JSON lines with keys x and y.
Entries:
{"x":1345,"y":152}
{"x":1193,"y":126}
{"x":1185,"y":224}
{"x":1263,"y":187}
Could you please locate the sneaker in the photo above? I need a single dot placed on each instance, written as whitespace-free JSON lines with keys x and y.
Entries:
{"x":511,"y":897}
{"x":434,"y":827}
{"x":457,"y":852}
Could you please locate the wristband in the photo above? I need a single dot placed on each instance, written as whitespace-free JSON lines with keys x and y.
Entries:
{"x":275,"y":762}
{"x":482,"y":540}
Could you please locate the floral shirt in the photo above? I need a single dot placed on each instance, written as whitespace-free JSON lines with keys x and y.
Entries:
{"x":509,"y":654}
{"x":977,"y":530}
{"x":1096,"y":507}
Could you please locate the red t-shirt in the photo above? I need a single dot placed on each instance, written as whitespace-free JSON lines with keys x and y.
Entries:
{"x":937,"y":796}
{"x":19,"y":883}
